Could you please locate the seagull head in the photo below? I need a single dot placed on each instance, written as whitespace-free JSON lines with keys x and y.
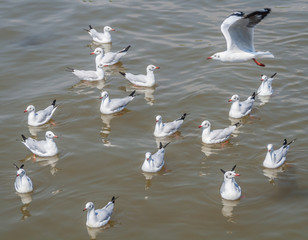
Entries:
{"x":152,"y":68}
{"x":30,"y":108}
{"x":104,"y":95}
{"x":50,"y":135}
{"x":97,"y":51}
{"x":230,"y":174}
{"x":100,"y":66}
{"x":234,"y":98}
{"x":264,"y":78}
{"x":108,"y":29}
{"x":205,"y":124}
{"x":148,"y":156}
{"x":89,"y":206}
{"x":20,"y":172}
{"x":158,"y":118}
{"x":216,"y":56}
{"x":269,"y":147}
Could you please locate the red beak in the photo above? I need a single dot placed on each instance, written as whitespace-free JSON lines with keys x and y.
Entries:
{"x":200,"y":126}
{"x":92,"y":53}
{"x":209,"y":58}
{"x":55,"y":136}
{"x":230,"y":100}
{"x":157,"y":68}
{"x":237,"y":174}
{"x":84,"y":209}
{"x":100,"y":97}
{"x":112,"y":29}
{"x":25,"y":111}
{"x":17,"y":174}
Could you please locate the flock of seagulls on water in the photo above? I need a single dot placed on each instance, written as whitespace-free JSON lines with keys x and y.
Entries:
{"x":238,"y":31}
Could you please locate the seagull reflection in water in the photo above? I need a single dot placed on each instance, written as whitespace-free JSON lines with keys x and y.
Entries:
{"x":147,"y":91}
{"x":227,"y":209}
{"x":45,"y":161}
{"x":93,"y":232}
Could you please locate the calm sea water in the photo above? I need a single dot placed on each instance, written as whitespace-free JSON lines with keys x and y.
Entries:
{"x":100,"y":156}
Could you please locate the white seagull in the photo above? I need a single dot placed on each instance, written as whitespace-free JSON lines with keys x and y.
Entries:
{"x":238,"y":30}
{"x":43,"y":148}
{"x":142,"y":80}
{"x":40,"y":117}
{"x":275,"y":158}
{"x":216,"y":136}
{"x":154,"y":162}
{"x":229,"y":189}
{"x":240,"y":109}
{"x":97,"y":75}
{"x":109,"y":106}
{"x":100,"y":37}
{"x":23,"y":183}
{"x":99,"y":217}
{"x":265,"y":88}
{"x":168,"y":128}
{"x":108,"y":58}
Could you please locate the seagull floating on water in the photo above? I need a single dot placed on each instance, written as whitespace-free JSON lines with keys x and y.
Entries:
{"x":100,"y":37}
{"x":265,"y":88}
{"x":240,"y":109}
{"x":40,"y":117}
{"x":238,"y":30}
{"x":229,"y":189}
{"x":108,"y":58}
{"x":154,"y":162}
{"x":216,"y":136}
{"x":43,"y":148}
{"x":97,"y":75}
{"x":142,"y":80}
{"x":275,"y":158}
{"x":23,"y":183}
{"x":99,"y":217}
{"x":109,"y":106}
{"x":168,"y":128}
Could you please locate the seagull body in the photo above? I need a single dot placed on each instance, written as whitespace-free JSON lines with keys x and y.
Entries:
{"x":108,"y":58}
{"x":43,"y":148}
{"x":265,"y":88}
{"x":275,"y":158}
{"x":229,"y":189}
{"x":240,"y":109}
{"x":40,"y":117}
{"x":238,"y":30}
{"x":97,"y":75}
{"x":215,"y":136}
{"x":154,"y":162}
{"x":99,"y":217}
{"x":109,"y":106}
{"x":100,"y":37}
{"x":168,"y":128}
{"x":23,"y":183}
{"x":142,"y":80}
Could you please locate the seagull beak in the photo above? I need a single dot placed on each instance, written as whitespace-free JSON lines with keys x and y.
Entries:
{"x":230,"y":100}
{"x":237,"y":174}
{"x":84,"y":209}
{"x":55,"y":136}
{"x":157,"y":68}
{"x":25,"y":111}
{"x":92,"y":53}
{"x":209,"y":58}
{"x":200,"y":126}
{"x":100,"y":97}
{"x":17,"y":175}
{"x":112,"y":29}
{"x":106,"y":65}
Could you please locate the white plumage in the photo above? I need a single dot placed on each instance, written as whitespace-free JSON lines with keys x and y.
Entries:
{"x":265,"y":88}
{"x":109,"y":106}
{"x":23,"y":183}
{"x":89,"y":75}
{"x":229,"y":189}
{"x":168,"y":128}
{"x":108,"y":58}
{"x":240,"y":109}
{"x":100,"y":37}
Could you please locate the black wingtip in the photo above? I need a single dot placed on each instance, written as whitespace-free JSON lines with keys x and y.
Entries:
{"x":22,"y":166}
{"x":273,"y":75}
{"x":54,"y":103}
{"x":132,"y":94}
{"x":166,"y":145}
{"x":183,"y":116}
{"x":16,"y":166}
{"x":253,"y":96}
{"x":90,"y":27}
{"x":285,"y":142}
{"x":69,"y":69}
{"x":223,"y":171}
{"x":233,"y":167}
{"x":23,"y":137}
{"x":237,"y":124}
{"x":122,"y":73}
{"x":125,"y":49}
{"x":113,"y":199}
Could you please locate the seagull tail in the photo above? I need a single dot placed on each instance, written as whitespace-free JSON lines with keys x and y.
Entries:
{"x":125,"y":49}
{"x":183,"y":116}
{"x":237,"y":124}
{"x":122,"y":73}
{"x":132,"y":94}
{"x":273,"y":75}
{"x":113,"y":199}
{"x":23,"y":137}
{"x":163,"y":146}
{"x":285,"y":142}
{"x":266,"y":54}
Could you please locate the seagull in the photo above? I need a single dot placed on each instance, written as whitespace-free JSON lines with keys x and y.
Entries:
{"x":40,"y":117}
{"x":229,"y":189}
{"x":154,"y":162}
{"x":216,"y":136}
{"x":265,"y":88}
{"x":108,"y":58}
{"x":240,"y":109}
{"x":104,"y":37}
{"x":168,"y":128}
{"x":99,"y":217}
{"x":23,"y":183}
{"x":275,"y":158}
{"x":142,"y":80}
{"x":89,"y":75}
{"x":43,"y":148}
{"x":238,"y":30}
{"x":109,"y":106}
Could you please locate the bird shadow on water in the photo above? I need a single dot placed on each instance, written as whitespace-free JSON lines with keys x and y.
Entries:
{"x":34,"y":131}
{"x":83,"y":86}
{"x":93,"y":232}
{"x":214,"y":149}
{"x":227,"y":209}
{"x":149,"y":176}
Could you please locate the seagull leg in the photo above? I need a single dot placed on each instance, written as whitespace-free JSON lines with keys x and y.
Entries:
{"x":34,"y":158}
{"x":258,"y":63}
{"x":52,"y":123}
{"x":224,"y":143}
